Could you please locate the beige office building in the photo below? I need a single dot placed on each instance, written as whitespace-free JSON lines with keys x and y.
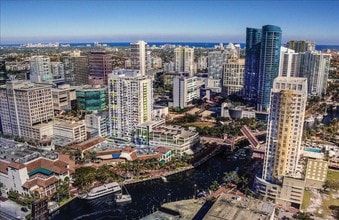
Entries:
{"x":26,"y":109}
{"x":184,"y":60}
{"x":233,"y":76}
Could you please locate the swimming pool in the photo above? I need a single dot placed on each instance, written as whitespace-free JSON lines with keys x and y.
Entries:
{"x":314,"y":150}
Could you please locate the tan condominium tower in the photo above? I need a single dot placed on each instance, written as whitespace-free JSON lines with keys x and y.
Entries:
{"x":233,"y":76}
{"x":285,"y":128}
{"x":184,"y":60}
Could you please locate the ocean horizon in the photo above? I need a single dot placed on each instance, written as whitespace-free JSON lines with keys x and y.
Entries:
{"x":157,"y":44}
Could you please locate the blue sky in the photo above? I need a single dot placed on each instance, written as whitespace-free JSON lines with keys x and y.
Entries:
{"x":125,"y":21}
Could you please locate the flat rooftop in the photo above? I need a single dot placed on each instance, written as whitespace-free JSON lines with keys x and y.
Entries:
{"x":174,"y":130}
{"x":183,"y":209}
{"x":234,"y":207}
{"x":12,"y":151}
{"x":68,"y":124}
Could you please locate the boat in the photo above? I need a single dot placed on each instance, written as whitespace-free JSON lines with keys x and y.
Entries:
{"x":121,"y":198}
{"x":103,"y":190}
{"x":164,"y":179}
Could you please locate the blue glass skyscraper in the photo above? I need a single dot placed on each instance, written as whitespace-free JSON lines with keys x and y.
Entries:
{"x":269,"y":64}
{"x":253,"y":41}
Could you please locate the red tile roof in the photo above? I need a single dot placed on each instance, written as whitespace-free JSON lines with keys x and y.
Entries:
{"x":40,"y":182}
{"x":88,"y":144}
{"x":65,"y":158}
{"x":101,"y":153}
{"x":133,"y":156}
{"x":15,"y":165}
{"x":54,"y":166}
{"x":148,"y":156}
{"x":3,"y":167}
{"x":129,"y":149}
{"x":162,"y":150}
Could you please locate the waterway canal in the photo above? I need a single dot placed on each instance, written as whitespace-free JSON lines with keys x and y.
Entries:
{"x":149,"y":196}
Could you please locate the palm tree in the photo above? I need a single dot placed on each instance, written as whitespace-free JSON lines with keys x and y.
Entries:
{"x":102,"y":173}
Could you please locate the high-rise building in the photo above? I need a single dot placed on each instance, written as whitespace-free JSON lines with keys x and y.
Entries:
{"x":3,"y":72}
{"x":289,"y":64}
{"x":100,"y":65}
{"x":138,"y":56}
{"x":312,"y":65}
{"x":301,"y":45}
{"x":216,"y":60}
{"x":315,"y":67}
{"x":58,"y":73}
{"x":26,"y":109}
{"x":185,"y":90}
{"x":130,"y":102}
{"x":81,"y":70}
{"x":233,"y":76}
{"x":40,"y":69}
{"x":282,"y":179}
{"x":156,"y":63}
{"x":69,"y":71}
{"x":252,"y":60}
{"x":184,"y":60}
{"x":202,"y":63}
{"x":269,"y":64}
{"x":285,"y":126}
{"x":169,"y":67}
{"x":148,"y":60}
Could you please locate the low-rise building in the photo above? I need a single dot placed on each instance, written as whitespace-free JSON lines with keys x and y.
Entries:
{"x":88,"y":145}
{"x":97,"y":124}
{"x":230,"y":206}
{"x":160,"y":111}
{"x":29,"y":170}
{"x":316,"y":173}
{"x":287,"y":194}
{"x":236,"y":112}
{"x":185,"y":90}
{"x":69,"y":131}
{"x":166,"y":154}
{"x":155,"y":133}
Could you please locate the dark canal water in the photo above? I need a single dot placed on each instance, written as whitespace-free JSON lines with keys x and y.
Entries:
{"x":149,"y":196}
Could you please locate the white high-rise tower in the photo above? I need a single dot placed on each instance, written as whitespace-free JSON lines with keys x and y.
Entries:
{"x":138,"y":56}
{"x":40,"y":69}
{"x":130,"y":102}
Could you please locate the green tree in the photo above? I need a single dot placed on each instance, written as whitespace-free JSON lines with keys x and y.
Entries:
{"x":62,"y":190}
{"x":303,"y":216}
{"x":214,"y":186}
{"x":103,"y":173}
{"x":84,"y":177}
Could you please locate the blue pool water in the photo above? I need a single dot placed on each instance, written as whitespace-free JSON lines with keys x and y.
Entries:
{"x":315,"y":150}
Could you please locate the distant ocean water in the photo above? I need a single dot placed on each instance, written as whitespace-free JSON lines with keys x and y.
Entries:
{"x":190,"y":44}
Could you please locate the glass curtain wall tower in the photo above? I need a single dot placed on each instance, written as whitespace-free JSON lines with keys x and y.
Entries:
{"x":253,"y":40}
{"x":269,"y":64}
